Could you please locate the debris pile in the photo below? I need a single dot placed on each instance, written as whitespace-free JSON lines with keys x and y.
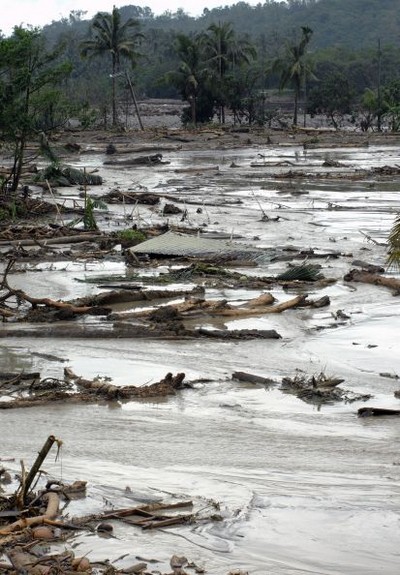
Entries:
{"x":27,"y":390}
{"x":319,"y":389}
{"x":37,"y":538}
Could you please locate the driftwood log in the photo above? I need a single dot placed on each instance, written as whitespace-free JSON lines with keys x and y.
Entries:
{"x":150,"y":160}
{"x":71,"y":239}
{"x":250,"y":378}
{"x":20,"y":295}
{"x":254,"y":307}
{"x":374,"y":279}
{"x":377,"y":412}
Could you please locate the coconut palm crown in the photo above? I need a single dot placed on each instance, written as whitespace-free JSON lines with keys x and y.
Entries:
{"x":120,"y":40}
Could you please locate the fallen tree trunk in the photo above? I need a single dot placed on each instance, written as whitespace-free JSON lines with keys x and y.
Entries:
{"x":249,"y":377}
{"x":254,"y":307}
{"x":374,"y":279}
{"x":148,"y":148}
{"x":151,"y":160}
{"x":130,"y":295}
{"x":72,"y":239}
{"x":377,"y":412}
{"x":47,"y":302}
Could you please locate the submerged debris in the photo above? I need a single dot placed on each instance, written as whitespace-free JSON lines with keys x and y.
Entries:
{"x":59,"y":175}
{"x":319,"y":389}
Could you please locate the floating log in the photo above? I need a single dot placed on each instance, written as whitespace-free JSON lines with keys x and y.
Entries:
{"x":367,"y":267}
{"x":374,"y":279}
{"x":151,"y":160}
{"x":249,"y":377}
{"x":71,"y":239}
{"x":241,"y":334}
{"x":376,"y":412}
{"x":146,"y":198}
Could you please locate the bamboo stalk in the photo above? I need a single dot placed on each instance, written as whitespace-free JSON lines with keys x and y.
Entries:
{"x":36,"y":466}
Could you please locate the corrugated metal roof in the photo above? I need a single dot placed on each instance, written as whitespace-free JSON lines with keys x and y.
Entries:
{"x":175,"y":244}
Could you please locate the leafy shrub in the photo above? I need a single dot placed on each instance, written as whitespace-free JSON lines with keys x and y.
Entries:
{"x":131,"y":237}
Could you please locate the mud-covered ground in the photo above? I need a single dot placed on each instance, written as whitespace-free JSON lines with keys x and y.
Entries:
{"x":301,"y":482}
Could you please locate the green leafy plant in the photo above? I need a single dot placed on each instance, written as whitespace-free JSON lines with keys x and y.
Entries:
{"x":89,"y":219}
{"x":131,"y":237}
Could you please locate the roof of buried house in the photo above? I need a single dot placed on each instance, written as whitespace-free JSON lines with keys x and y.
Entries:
{"x":174,"y":244}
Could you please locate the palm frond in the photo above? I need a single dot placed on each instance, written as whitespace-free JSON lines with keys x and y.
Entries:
{"x":393,"y":258}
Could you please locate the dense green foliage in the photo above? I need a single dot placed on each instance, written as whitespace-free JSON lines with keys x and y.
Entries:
{"x":31,"y":99}
{"x":338,"y":57}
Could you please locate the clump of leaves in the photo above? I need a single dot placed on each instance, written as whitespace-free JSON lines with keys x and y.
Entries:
{"x":12,"y":210}
{"x":131,"y":237}
{"x":4,"y":215}
{"x":305,"y":273}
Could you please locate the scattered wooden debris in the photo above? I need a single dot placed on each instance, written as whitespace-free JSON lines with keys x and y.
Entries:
{"x":33,"y":391}
{"x":331,"y":163}
{"x":118,"y":197}
{"x":64,"y":310}
{"x":27,"y":519}
{"x":319,"y":389}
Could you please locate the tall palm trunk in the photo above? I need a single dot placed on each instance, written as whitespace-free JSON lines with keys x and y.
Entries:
{"x":296,"y":103}
{"x":114,"y":96}
{"x":193,"y":109}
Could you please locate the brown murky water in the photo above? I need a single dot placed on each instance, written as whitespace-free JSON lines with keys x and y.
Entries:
{"x":302,"y":489}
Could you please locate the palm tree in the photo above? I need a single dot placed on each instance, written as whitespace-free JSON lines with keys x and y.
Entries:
{"x":295,"y":68}
{"x":225,"y":53}
{"x":110,"y":36}
{"x":188,"y":75}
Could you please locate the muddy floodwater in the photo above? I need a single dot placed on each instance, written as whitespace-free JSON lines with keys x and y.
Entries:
{"x":302,"y":488}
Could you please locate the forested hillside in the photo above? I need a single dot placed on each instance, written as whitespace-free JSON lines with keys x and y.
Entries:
{"x":351,"y":24}
{"x":338,"y":58}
